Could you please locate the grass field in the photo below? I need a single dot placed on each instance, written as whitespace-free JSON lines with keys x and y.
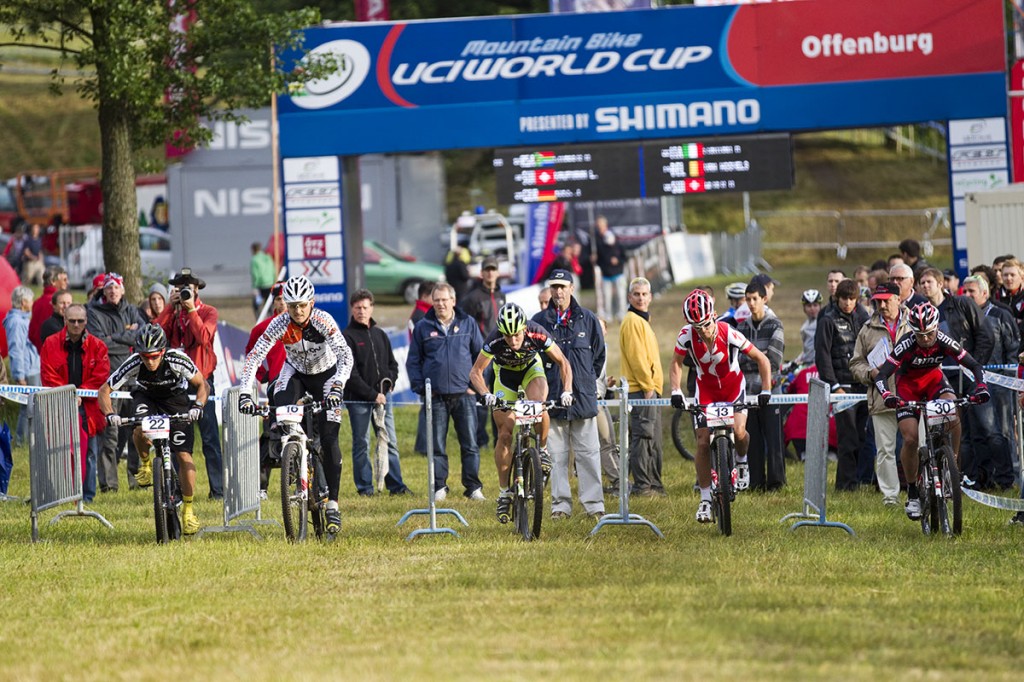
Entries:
{"x":766,"y":603}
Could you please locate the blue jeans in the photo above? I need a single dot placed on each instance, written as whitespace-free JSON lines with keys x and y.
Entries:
{"x":462,"y":410}
{"x":360,"y":416}
{"x":209,"y":431}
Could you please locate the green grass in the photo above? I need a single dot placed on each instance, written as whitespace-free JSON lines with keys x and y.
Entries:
{"x":765,"y":603}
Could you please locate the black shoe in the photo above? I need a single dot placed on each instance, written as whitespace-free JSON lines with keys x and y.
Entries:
{"x":1017,"y":519}
{"x":216,"y":496}
{"x":365,"y":493}
{"x":398,"y":493}
{"x":333,"y":518}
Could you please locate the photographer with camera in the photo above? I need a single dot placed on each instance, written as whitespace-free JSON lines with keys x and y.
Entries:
{"x":191,"y":325}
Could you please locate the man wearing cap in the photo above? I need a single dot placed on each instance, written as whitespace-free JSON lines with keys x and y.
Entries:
{"x":578,"y":334}
{"x":191,"y":325}
{"x":874,"y":344}
{"x":482,"y":303}
{"x":115,"y":322}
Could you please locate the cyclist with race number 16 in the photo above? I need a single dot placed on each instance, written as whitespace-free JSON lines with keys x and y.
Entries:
{"x":714,"y":348}
{"x":317,"y":361}
{"x":916,"y":360}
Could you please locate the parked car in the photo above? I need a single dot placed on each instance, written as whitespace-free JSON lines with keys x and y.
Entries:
{"x":82,"y":249}
{"x":390,"y":272}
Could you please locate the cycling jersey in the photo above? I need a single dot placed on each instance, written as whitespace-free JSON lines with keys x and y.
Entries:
{"x":918,"y":370}
{"x":719,"y":378}
{"x":168,"y":379}
{"x":535,"y":340}
{"x":312,"y":349}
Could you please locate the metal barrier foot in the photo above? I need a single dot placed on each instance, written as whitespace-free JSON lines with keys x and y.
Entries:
{"x":418,"y":512}
{"x":823,"y":524}
{"x":81,"y":512}
{"x":430,"y":531}
{"x":628,"y":520}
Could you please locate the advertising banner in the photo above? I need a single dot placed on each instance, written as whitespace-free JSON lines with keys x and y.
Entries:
{"x":543,"y":223}
{"x":670,"y":72}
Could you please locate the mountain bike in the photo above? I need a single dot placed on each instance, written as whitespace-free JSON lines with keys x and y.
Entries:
{"x":938,"y":478}
{"x":166,"y":493}
{"x":301,"y":469}
{"x":526,"y":478}
{"x":720,"y":419}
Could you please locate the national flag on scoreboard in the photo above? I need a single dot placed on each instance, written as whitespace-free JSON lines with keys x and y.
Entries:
{"x":548,"y":194}
{"x":544,"y":177}
{"x":695,"y":169}
{"x":693,"y":150}
{"x":543,"y":158}
{"x":694,"y":185}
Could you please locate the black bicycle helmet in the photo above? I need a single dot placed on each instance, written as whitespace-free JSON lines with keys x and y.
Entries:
{"x":151,"y":339}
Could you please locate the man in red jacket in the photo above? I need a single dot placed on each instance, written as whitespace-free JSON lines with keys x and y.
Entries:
{"x":73,"y":356}
{"x":55,"y":278}
{"x":191,"y":325}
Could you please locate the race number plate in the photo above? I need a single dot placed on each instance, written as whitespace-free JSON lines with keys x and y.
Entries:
{"x":720,"y":414}
{"x":940,"y":411}
{"x":156,"y":427}
{"x":527,"y":411}
{"x":289,"y":414}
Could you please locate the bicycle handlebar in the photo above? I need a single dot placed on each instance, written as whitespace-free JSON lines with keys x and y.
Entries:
{"x":693,"y":406}
{"x":180,"y":417}
{"x":504,"y":405}
{"x":918,"y":405}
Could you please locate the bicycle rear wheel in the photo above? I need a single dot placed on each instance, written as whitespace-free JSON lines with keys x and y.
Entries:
{"x":723,"y":500}
{"x":294,"y":506}
{"x":317,"y":506}
{"x":951,"y":491}
{"x":678,"y":426}
{"x":159,"y":508}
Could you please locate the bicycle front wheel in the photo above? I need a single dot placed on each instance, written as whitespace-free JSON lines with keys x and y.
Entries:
{"x":533,"y":491}
{"x":679,"y":427}
{"x":722,"y":502}
{"x":953,"y":500}
{"x":926,"y":492}
{"x":294,"y":505}
{"x":159,"y":505}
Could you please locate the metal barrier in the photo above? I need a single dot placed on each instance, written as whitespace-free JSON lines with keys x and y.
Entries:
{"x":55,"y":455}
{"x":816,"y":461}
{"x":624,"y":518}
{"x":431,"y":509}
{"x":241,"y":448}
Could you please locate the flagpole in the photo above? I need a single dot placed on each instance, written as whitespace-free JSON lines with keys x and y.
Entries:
{"x":275,"y":165}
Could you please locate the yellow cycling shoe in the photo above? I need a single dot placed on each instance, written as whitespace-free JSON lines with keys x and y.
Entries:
{"x":144,"y":477}
{"x":189,"y":521}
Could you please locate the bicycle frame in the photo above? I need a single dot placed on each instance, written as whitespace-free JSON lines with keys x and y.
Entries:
{"x":525,"y":448}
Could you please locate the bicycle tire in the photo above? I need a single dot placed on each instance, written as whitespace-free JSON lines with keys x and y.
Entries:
{"x":293,"y":506}
{"x":924,"y":490}
{"x":159,"y":508}
{"x":317,"y":510}
{"x":677,"y":435}
{"x":951,"y":489}
{"x":724,"y":497}
{"x":533,"y":485}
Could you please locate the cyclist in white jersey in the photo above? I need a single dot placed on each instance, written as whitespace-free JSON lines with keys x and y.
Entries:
{"x":317,"y":360}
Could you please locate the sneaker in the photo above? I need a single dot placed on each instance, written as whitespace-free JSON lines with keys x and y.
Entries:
{"x":1017,"y":519}
{"x":742,"y":476}
{"x":545,"y":463}
{"x":559,"y":515}
{"x":333,"y":518}
{"x":504,"y":512}
{"x":704,"y":511}
{"x":144,"y":477}
{"x":913,"y":509}
{"x":263,"y":494}
{"x":477,"y":495}
{"x":189,"y":521}
{"x":441,"y":495}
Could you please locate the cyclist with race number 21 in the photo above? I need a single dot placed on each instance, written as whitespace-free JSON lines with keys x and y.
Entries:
{"x":163,"y":379}
{"x":317,"y":361}
{"x":916,"y":360}
{"x":715,"y":347}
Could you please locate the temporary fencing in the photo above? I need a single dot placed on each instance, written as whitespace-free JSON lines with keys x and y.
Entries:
{"x":55,"y":455}
{"x":241,"y":456}
{"x":816,"y":460}
{"x":623,"y":517}
{"x":431,"y":508}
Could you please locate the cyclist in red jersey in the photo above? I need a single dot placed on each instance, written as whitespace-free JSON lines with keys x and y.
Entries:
{"x":916,"y":360}
{"x":715,"y":348}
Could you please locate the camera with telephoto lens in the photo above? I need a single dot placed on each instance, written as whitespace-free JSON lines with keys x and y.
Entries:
{"x":185,"y":294}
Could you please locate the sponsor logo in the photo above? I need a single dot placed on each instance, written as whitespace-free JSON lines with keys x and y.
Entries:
{"x":228,"y":135}
{"x":838,"y":45}
{"x":313,"y":221}
{"x":315,"y":195}
{"x":311,"y":169}
{"x":984,"y":157}
{"x":978,"y":181}
{"x":977,"y":131}
{"x":221,"y":203}
{"x":353,"y":62}
{"x":717,"y":113}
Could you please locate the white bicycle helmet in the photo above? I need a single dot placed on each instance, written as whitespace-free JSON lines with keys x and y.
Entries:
{"x":298,"y":290}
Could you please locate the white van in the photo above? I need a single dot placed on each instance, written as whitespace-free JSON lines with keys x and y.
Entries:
{"x":490,"y":234}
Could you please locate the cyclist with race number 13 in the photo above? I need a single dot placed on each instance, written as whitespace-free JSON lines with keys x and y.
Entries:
{"x":715,"y":347}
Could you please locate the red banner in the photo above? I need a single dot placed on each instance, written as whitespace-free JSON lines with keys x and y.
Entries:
{"x":1017,"y":121}
{"x":372,"y":10}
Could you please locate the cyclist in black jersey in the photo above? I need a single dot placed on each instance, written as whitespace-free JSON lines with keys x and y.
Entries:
{"x":515,"y":348}
{"x":163,"y":378}
{"x":916,"y":360}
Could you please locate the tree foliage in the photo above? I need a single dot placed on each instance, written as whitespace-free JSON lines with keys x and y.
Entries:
{"x":151,"y":82}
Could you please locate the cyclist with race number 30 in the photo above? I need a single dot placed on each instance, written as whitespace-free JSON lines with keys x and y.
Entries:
{"x":714,"y":348}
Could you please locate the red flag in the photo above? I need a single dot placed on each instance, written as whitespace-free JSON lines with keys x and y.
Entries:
{"x":694,"y":185}
{"x":372,"y":10}
{"x":545,"y":177}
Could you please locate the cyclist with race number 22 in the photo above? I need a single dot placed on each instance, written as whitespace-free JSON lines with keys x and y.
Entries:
{"x":318,"y":361}
{"x":714,"y":348}
{"x":916,"y":360}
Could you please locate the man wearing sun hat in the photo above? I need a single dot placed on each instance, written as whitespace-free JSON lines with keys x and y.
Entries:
{"x":115,"y":322}
{"x":190,"y":324}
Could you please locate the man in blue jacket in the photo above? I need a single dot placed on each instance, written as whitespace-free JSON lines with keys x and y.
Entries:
{"x":444,"y":346}
{"x":578,"y":334}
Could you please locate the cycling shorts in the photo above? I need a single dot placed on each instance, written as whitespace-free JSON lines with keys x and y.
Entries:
{"x":700,"y":420}
{"x":507,"y":382}
{"x":182,"y":435}
{"x":927,"y":386}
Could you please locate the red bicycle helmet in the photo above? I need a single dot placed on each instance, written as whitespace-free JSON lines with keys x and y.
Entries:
{"x":924,"y":318}
{"x":698,"y":307}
